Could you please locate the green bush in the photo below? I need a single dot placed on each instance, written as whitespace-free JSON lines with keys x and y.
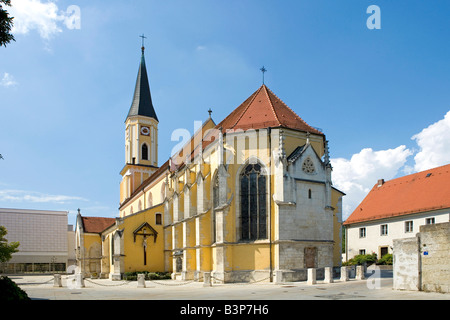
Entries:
{"x":385,"y":260}
{"x":369,"y":259}
{"x":132,"y":276}
{"x":10,"y":291}
{"x":360,"y":259}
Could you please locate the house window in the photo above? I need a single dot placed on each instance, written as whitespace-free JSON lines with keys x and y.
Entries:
{"x":362,"y":251}
{"x":309,"y":194}
{"x":144,"y":153}
{"x":429,"y":221}
{"x":384,"y":230}
{"x":408,"y":226}
{"x":253,"y":203}
{"x":362,"y":232}
{"x":158,"y":218}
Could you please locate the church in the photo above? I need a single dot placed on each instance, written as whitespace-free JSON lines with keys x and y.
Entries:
{"x":247,"y":199}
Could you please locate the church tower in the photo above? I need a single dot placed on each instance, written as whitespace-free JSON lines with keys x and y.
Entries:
{"x":141,"y":136}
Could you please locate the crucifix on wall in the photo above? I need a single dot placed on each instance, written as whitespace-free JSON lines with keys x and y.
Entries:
{"x":144,"y":244}
{"x":145,"y":230}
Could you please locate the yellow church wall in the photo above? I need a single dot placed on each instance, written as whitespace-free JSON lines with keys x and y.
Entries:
{"x":337,"y":253}
{"x":106,"y":245}
{"x":204,"y":226}
{"x":90,"y":239}
{"x":155,"y":188}
{"x":189,"y":244}
{"x":254,"y":256}
{"x":134,"y":257}
{"x":123,"y":189}
{"x":177,"y":240}
{"x":294,"y":139}
{"x":156,"y":193}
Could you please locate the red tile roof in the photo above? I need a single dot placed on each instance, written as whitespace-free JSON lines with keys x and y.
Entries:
{"x":264,"y":109}
{"x":97,"y":224}
{"x":419,"y":192}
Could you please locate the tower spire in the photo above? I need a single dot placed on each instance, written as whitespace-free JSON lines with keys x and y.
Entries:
{"x":142,"y":104}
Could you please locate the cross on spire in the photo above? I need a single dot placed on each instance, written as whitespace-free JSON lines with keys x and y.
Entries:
{"x":209,"y":111}
{"x":143,"y":37}
{"x":263,"y":70}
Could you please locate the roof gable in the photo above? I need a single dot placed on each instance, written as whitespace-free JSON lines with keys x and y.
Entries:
{"x":264,"y":109}
{"x":420,"y":192}
{"x":96,"y":224}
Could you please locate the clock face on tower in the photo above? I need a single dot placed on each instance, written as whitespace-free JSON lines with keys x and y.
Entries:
{"x":145,"y":131}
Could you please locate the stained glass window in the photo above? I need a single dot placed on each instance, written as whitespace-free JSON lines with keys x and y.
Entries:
{"x":253,"y":203}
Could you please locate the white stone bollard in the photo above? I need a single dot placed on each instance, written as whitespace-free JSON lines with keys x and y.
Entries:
{"x":57,"y":280}
{"x":207,"y":279}
{"x":344,"y":274}
{"x":311,"y":276}
{"x":360,"y":273}
{"x":79,"y":280}
{"x":328,"y":275}
{"x":141,"y":280}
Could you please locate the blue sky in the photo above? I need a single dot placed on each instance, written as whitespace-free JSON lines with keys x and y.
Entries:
{"x":381,"y":96}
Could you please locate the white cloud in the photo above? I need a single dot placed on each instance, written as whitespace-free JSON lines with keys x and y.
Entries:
{"x":357,"y":176}
{"x":8,"y":80}
{"x":36,"y":197}
{"x":434,"y":143}
{"x":45,"y":17}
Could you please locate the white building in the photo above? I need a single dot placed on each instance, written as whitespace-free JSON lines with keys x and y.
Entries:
{"x":43,"y":237}
{"x":396,"y":209}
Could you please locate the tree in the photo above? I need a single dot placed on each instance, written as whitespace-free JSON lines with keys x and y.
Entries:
{"x":6,"y":250}
{"x":6,"y":23}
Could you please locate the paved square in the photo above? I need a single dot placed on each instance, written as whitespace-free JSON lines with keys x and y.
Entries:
{"x":41,"y":287}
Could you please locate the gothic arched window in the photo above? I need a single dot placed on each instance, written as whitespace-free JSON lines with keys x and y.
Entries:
{"x":144,"y":154}
{"x":150,"y":200}
{"x":163,"y":191}
{"x":253,"y":203}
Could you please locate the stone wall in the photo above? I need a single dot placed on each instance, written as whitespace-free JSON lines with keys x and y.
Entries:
{"x":406,"y":264}
{"x":423,"y":262}
{"x":435,"y":254}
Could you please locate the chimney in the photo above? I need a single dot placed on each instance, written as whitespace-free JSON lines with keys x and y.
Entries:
{"x":380,"y":182}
